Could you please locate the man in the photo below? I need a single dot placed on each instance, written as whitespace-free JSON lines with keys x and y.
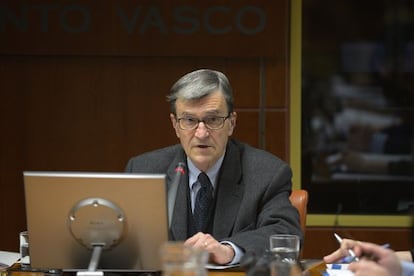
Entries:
{"x":249,"y":190}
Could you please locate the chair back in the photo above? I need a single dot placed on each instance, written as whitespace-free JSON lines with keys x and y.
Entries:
{"x":299,"y":199}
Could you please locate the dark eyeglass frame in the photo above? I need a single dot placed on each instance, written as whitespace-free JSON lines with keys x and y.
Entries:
{"x":204,"y":120}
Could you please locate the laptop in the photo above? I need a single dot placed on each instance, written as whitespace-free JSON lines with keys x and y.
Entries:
{"x":70,"y":214}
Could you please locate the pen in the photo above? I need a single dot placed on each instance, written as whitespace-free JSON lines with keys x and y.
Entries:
{"x":350,"y":251}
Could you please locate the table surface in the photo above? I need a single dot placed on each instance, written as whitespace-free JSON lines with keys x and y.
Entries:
{"x":210,"y":273}
{"x":16,"y":272}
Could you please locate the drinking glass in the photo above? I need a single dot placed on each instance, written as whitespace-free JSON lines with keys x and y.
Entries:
{"x":24,"y":248}
{"x":285,"y":247}
{"x":180,"y":260}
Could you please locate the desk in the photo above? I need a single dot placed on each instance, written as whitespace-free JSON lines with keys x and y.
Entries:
{"x":306,"y":264}
{"x":210,"y":273}
{"x":16,"y":270}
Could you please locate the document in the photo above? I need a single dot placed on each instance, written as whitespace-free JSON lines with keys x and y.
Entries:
{"x":7,"y":259}
{"x":323,"y":269}
{"x":338,"y":270}
{"x":220,"y":267}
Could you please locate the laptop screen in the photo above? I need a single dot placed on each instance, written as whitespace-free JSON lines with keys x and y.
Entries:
{"x":69,"y":213}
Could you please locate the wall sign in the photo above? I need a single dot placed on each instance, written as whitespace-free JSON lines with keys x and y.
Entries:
{"x":147,"y":28}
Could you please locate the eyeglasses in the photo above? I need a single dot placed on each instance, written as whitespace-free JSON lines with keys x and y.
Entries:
{"x":211,"y":122}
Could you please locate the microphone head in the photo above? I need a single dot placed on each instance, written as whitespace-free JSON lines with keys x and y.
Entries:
{"x":180,"y":168}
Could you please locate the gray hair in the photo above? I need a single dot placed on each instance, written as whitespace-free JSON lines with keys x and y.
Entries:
{"x":198,"y":84}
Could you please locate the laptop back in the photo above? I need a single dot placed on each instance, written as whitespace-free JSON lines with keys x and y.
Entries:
{"x":69,"y":211}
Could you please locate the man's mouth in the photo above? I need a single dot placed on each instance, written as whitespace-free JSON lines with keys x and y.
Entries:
{"x":202,"y":146}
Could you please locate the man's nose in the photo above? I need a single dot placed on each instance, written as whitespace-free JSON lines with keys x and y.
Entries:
{"x":201,"y":130}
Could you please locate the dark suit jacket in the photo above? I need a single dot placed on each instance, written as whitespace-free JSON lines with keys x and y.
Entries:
{"x":252,"y":198}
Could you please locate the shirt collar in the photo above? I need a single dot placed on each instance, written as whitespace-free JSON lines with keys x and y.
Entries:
{"x":212,"y":172}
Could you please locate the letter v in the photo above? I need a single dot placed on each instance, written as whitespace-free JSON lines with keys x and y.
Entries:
{"x":129,"y":24}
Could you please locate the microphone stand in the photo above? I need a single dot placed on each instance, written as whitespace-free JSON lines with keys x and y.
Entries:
{"x":93,"y":263}
{"x":172,"y":191}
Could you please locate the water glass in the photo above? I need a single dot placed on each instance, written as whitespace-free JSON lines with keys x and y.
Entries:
{"x":285,"y":247}
{"x":180,"y":260}
{"x":283,"y":268}
{"x":24,"y":248}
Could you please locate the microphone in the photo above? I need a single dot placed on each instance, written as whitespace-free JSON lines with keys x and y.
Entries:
{"x":172,"y":191}
{"x":338,"y":212}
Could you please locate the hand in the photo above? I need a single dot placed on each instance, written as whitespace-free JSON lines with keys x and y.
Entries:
{"x":368,"y":268}
{"x":381,"y":261}
{"x":219,"y":253}
{"x":374,"y":259}
{"x":342,"y":252}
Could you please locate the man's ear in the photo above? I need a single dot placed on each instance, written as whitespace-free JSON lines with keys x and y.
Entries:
{"x":233,"y":119}
{"x":174,"y":124}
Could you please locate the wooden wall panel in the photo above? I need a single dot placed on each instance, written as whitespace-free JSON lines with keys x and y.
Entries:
{"x":276,"y":85}
{"x":247,"y":128}
{"x":276,"y":135}
{"x":96,"y":100}
{"x":320,"y":241}
{"x":245,"y":79}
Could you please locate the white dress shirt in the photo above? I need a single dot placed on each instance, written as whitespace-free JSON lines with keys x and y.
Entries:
{"x":407,"y":268}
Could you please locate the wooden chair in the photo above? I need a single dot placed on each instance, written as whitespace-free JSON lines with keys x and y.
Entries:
{"x":299,"y":199}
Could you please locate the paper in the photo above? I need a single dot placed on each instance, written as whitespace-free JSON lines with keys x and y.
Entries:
{"x":219,"y":267}
{"x":8,"y":258}
{"x":338,"y":270}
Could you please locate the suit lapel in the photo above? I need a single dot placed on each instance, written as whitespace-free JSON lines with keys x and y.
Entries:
{"x":229,"y":193}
